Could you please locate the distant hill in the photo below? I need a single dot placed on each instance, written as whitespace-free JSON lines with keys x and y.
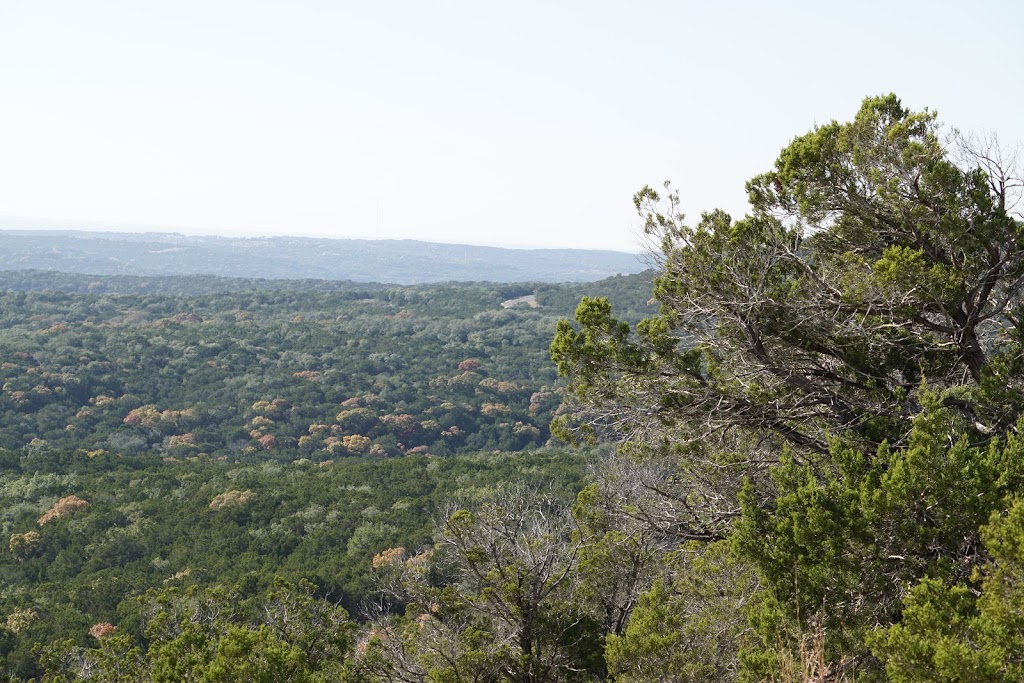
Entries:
{"x":359,"y":260}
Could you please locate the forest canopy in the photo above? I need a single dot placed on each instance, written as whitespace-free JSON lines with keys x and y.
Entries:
{"x":257,"y":370}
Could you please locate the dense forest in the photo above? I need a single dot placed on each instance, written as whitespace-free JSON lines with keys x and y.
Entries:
{"x":217,"y":434}
{"x":283,"y":369}
{"x":101,"y":540}
{"x":793,"y":453}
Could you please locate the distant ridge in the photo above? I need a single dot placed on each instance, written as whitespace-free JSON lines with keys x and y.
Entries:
{"x":358,"y":260}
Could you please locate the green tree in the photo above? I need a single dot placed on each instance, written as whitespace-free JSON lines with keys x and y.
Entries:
{"x":618,"y":559}
{"x":834,"y":380}
{"x":691,"y":627}
{"x":871,"y":260}
{"x":284,"y":634}
{"x":496,"y":603}
{"x":956,"y":632}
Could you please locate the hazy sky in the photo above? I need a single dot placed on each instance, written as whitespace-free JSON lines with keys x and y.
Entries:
{"x":516,"y":123}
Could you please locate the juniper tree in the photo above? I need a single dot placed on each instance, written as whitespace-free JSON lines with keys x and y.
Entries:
{"x":834,"y":381}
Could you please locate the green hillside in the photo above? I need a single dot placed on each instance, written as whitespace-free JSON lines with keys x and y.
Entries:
{"x":299,"y":370}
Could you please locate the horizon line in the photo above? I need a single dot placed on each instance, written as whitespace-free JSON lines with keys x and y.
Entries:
{"x":76,"y":225}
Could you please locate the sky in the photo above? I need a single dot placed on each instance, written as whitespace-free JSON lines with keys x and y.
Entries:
{"x":526,"y":124}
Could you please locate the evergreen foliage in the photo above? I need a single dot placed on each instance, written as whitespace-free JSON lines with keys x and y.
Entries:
{"x":833,"y":388}
{"x":817,"y":473}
